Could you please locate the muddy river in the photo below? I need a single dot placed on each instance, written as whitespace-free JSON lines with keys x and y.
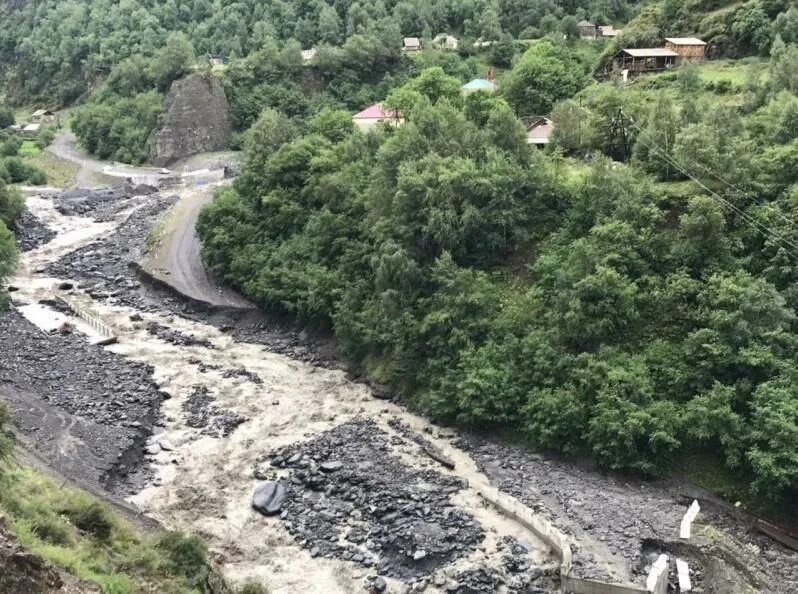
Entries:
{"x":367,"y":506}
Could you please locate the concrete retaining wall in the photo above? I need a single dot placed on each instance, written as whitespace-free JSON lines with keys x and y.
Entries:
{"x":558,"y":543}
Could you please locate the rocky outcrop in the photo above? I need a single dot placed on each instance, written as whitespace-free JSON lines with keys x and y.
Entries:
{"x":196,"y":120}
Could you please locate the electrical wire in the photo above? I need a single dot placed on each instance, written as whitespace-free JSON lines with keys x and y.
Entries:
{"x":763,"y":229}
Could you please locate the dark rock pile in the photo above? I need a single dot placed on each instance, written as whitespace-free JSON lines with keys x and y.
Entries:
{"x":100,"y":205}
{"x":248,"y":375}
{"x":176,"y":337}
{"x":31,"y":232}
{"x":202,"y":413}
{"x":85,"y":409}
{"x":351,"y":498}
{"x":593,"y":506}
{"x":104,"y":267}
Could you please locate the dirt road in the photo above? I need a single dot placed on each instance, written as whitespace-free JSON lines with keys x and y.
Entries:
{"x":176,"y":258}
{"x":94,"y":172}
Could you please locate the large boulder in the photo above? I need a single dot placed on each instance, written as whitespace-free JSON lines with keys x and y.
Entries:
{"x":269,"y":498}
{"x":197,"y":120}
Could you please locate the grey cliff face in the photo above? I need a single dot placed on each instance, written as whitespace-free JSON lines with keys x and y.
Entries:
{"x":196,"y":120}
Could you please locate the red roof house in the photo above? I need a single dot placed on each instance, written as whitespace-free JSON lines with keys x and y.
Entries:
{"x":375,"y":114}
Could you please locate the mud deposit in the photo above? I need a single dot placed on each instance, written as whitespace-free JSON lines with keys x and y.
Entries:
{"x":632,"y":522}
{"x":85,"y":409}
{"x":100,"y":205}
{"x":107,"y":270}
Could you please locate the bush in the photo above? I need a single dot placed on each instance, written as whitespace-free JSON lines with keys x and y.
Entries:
{"x":16,"y":171}
{"x":52,"y":529}
{"x":37,"y":177}
{"x":252,"y":588}
{"x":6,"y":437}
{"x":186,"y":555}
{"x":10,"y":147}
{"x":46,"y":137}
{"x":91,"y":518}
{"x":723,"y":87}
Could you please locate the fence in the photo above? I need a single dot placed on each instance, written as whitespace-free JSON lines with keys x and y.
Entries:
{"x":108,"y":336}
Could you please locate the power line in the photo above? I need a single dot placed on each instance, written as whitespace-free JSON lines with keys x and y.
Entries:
{"x":760,"y":227}
{"x":721,"y":179}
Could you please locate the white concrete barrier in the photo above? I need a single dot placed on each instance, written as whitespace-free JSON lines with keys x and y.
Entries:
{"x":106,"y":333}
{"x":687,"y":520}
{"x":683,"y":571}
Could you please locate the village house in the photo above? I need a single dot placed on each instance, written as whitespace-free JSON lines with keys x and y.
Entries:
{"x":538,"y":131}
{"x":41,"y":116}
{"x":689,"y":48}
{"x":446,"y":41}
{"x":479,"y":84}
{"x":482,"y":43}
{"x":308,"y":55}
{"x":609,"y":31}
{"x":377,"y":113}
{"x":587,"y":30}
{"x":411,"y":44}
{"x":216,"y":60}
{"x":31,"y":130}
{"x":638,"y":61}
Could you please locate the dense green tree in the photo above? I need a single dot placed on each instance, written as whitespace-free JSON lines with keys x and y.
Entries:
{"x":6,"y":117}
{"x":783,"y":74}
{"x":655,"y":146}
{"x":8,"y":263}
{"x":752,"y":27}
{"x":544,"y":74}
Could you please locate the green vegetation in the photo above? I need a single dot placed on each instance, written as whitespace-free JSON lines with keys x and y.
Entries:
{"x":86,"y":538}
{"x":60,"y":172}
{"x":11,"y":205}
{"x":622,"y":311}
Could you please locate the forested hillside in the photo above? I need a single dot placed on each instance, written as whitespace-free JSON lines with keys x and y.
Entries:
{"x":626,"y":294}
{"x":641,"y":311}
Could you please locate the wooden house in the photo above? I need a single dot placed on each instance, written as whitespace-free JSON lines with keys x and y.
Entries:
{"x":587,"y":30}
{"x":411,"y":44}
{"x":538,"y":130}
{"x":690,"y":48}
{"x":41,"y":116}
{"x":638,"y":61}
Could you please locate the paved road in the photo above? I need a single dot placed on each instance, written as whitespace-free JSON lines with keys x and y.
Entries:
{"x":178,"y":258}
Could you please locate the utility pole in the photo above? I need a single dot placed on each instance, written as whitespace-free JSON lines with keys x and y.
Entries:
{"x":619,"y":135}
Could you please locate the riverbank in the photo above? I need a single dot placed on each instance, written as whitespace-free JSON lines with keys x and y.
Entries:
{"x":241,"y":387}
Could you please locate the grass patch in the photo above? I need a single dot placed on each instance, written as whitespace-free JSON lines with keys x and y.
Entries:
{"x":60,"y":172}
{"x":29,"y":149}
{"x":86,"y":538}
{"x":734,"y":71}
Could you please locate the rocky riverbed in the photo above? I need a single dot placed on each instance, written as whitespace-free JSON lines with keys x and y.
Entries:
{"x":85,"y":409}
{"x":378,"y":499}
